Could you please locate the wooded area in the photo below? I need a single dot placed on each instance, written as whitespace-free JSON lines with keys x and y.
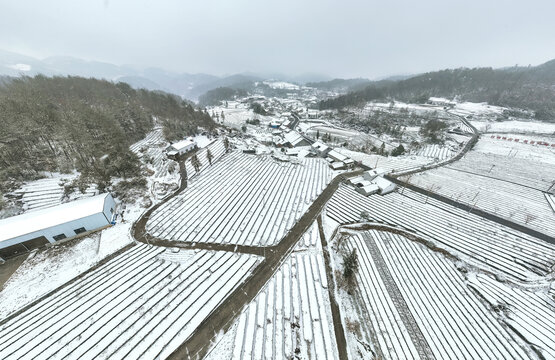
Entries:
{"x":65,"y":123}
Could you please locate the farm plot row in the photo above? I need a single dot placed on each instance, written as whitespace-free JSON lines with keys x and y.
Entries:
{"x":49,"y":192}
{"x":242,"y":199}
{"x":414,"y":304}
{"x":217,"y":149}
{"x":483,"y":242}
{"x":530,"y":313}
{"x":141,"y":304}
{"x":290,"y":317}
{"x":521,"y":204}
{"x":435,"y":151}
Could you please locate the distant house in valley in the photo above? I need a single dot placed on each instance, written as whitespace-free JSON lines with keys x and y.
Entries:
{"x":35,"y":229}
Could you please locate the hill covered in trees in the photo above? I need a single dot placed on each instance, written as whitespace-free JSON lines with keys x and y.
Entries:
{"x":215,"y":96}
{"x":531,"y":88}
{"x":65,"y":123}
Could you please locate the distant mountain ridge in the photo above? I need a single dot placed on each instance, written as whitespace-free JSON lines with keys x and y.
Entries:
{"x":531,"y":88}
{"x":189,"y":86}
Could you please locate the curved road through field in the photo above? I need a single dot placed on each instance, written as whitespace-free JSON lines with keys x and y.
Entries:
{"x":221,"y":318}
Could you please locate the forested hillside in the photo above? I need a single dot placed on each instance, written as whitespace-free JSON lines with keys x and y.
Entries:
{"x":66,"y":123}
{"x":530,"y":88}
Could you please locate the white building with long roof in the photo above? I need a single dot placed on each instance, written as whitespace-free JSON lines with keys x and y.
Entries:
{"x":37,"y":228}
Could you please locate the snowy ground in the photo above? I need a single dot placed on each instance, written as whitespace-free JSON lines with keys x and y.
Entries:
{"x":290,"y":317}
{"x":480,"y":242}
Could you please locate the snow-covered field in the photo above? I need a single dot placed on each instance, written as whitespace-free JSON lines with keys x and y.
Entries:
{"x":413,"y":303}
{"x":142,"y":304}
{"x":477,"y":241}
{"x":291,"y":312}
{"x":515,"y":126}
{"x":242,"y":199}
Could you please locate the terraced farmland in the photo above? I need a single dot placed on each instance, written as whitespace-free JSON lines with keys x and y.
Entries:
{"x":242,"y":199}
{"x":479,"y":241}
{"x":291,"y":315}
{"x":438,"y":152}
{"x":413,"y":303}
{"x":142,"y":304}
{"x":151,"y":150}
{"x":531,"y":313}
{"x":48,"y":192}
{"x":521,"y":204}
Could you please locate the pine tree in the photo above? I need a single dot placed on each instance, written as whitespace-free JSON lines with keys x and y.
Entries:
{"x":209,"y":156}
{"x":195,"y":162}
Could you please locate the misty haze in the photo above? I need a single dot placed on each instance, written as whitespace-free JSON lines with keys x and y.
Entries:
{"x":277,"y":180}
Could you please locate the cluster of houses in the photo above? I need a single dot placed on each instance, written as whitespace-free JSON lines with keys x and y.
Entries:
{"x":336,"y":160}
{"x":372,"y":182}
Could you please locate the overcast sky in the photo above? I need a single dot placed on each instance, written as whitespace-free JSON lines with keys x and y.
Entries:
{"x":344,"y":38}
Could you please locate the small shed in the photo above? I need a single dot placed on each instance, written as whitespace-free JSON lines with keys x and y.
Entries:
{"x":34,"y":229}
{"x":337,"y":165}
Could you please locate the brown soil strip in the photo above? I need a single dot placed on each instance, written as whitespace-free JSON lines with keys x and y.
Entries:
{"x":335,"y":311}
{"x":9,"y":267}
{"x":221,"y":318}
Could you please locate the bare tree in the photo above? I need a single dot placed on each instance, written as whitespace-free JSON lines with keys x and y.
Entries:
{"x":529,"y":217}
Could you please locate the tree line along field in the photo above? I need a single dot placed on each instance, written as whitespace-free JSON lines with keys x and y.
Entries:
{"x":484,"y":292}
{"x":141,"y":304}
{"x":504,"y":178}
{"x":290,"y":317}
{"x":478,"y":241}
{"x":242,"y":199}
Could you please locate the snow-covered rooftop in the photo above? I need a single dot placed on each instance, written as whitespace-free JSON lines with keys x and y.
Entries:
{"x":42,"y":219}
{"x":182,"y":144}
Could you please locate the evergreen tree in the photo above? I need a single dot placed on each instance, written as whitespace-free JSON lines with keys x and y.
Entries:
{"x":209,"y":156}
{"x":195,"y":162}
